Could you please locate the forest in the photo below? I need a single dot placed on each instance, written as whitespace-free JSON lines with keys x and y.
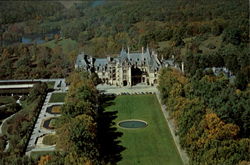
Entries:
{"x":211,"y":116}
{"x":32,"y":61}
{"x":194,"y":29}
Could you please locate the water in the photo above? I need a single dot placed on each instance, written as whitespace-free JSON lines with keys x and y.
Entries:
{"x":98,"y":3}
{"x":38,"y":40}
{"x":133,"y":124}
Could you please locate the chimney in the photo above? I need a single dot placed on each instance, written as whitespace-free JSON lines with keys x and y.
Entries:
{"x":142,"y":50}
{"x":182,"y":67}
{"x":128,"y":49}
{"x":147,"y":49}
{"x":91,"y":60}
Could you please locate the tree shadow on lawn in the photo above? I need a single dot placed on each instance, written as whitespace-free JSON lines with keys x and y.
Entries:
{"x":107,"y":100}
{"x":110,"y":148}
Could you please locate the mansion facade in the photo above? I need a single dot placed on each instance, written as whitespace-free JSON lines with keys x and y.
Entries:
{"x":127,"y":69}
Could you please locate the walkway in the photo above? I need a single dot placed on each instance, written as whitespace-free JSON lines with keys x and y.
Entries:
{"x":30,"y":80}
{"x":39,"y":131}
{"x":59,"y":83}
{"x":16,"y":86}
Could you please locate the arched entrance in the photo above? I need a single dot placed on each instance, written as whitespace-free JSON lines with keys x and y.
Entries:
{"x":136,"y":75}
{"x":125,"y":83}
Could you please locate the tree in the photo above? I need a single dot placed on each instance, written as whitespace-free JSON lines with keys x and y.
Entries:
{"x":232,"y":35}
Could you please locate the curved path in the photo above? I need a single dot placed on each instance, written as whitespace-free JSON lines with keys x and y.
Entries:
{"x":1,"y":131}
{"x":4,"y":122}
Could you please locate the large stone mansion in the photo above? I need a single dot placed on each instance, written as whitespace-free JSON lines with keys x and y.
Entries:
{"x":127,"y":69}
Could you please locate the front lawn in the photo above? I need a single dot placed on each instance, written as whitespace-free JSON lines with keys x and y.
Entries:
{"x":151,"y":145}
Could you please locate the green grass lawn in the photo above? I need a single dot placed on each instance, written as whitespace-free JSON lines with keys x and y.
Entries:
{"x":51,"y":84}
{"x":152,"y":145}
{"x":214,"y":40}
{"x":6,"y":100}
{"x":66,"y":44}
{"x":57,"y":97}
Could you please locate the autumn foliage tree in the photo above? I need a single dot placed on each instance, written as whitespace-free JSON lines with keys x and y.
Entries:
{"x":77,"y":128}
{"x":208,"y":115}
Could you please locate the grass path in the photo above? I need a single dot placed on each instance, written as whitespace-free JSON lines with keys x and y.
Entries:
{"x":151,"y":145}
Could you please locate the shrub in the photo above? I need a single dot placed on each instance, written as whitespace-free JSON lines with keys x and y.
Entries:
{"x":52,"y":123}
{"x":211,"y":46}
{"x":2,"y":143}
{"x":56,"y":109}
{"x":49,"y":139}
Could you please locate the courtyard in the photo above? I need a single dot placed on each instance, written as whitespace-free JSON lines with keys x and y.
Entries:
{"x":152,"y":144}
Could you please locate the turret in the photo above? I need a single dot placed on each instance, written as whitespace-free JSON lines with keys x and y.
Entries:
{"x":128,"y":53}
{"x":108,"y":58}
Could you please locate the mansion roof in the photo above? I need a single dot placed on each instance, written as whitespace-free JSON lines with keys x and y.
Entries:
{"x":125,"y":58}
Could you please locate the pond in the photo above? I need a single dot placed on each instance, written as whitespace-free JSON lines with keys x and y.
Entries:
{"x":37,"y":38}
{"x":97,"y":3}
{"x":133,"y":124}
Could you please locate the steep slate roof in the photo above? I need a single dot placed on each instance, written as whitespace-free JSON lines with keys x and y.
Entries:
{"x":169,"y":62}
{"x":139,"y":58}
{"x":124,"y":58}
{"x":80,"y":61}
{"x":101,"y":61}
